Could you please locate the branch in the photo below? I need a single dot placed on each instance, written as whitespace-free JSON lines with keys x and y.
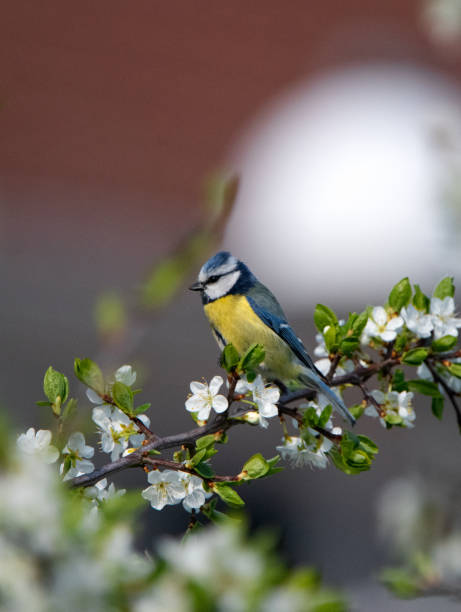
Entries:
{"x":447,"y":389}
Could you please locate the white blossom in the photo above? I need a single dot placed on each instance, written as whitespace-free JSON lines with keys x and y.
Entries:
{"x":78,"y":452}
{"x":195,"y":494}
{"x":100,"y":491}
{"x":166,"y":489}
{"x":126,"y":375}
{"x":117,"y":430}
{"x":38,"y":444}
{"x":265,"y":397}
{"x":393,"y":402}
{"x":299,"y":453}
{"x":381,"y":325}
{"x":205,"y":397}
{"x":417,"y":321}
{"x":444,"y":321}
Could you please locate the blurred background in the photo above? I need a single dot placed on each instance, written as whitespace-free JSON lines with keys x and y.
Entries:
{"x":343,"y":122}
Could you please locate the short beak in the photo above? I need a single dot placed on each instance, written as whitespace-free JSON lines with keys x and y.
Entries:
{"x":196,"y":286}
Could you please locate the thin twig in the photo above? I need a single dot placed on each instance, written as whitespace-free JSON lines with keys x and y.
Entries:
{"x":447,"y":389}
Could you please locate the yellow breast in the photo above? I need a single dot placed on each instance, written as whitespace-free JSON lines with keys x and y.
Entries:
{"x":235,"y":320}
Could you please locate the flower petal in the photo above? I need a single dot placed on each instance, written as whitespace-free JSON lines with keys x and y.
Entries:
{"x":215,"y":384}
{"x":219,"y":403}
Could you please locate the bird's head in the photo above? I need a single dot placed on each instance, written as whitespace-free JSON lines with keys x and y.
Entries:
{"x":221,"y":275}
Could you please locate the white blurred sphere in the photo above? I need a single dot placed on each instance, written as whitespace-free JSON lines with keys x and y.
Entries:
{"x":341,"y":192}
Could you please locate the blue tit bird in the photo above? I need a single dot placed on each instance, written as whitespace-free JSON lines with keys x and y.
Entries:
{"x":242,"y":311}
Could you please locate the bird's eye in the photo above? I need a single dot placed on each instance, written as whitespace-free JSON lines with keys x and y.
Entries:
{"x":213,"y":279}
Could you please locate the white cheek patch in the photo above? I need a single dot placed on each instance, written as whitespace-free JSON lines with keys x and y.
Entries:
{"x":222,"y":286}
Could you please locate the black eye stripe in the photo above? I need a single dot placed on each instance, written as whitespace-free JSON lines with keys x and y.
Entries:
{"x":213,"y":279}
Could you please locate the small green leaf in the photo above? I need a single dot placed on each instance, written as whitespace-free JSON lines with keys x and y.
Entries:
{"x":420,"y":300}
{"x":455,"y":369}
{"x":141,"y":409}
{"x":444,"y":344}
{"x":360,"y":322}
{"x":426,"y":387}
{"x":415,"y":356}
{"x":204,"y":470}
{"x":324,"y":316}
{"x":367,"y":445}
{"x":400,"y":582}
{"x":357,"y":410}
{"x":55,"y":385}
{"x":228,"y":495}
{"x":256,"y":466}
{"x":229,"y":358}
{"x":445,"y":288}
{"x":398,"y":381}
{"x":400,"y":295}
{"x":43,"y":403}
{"x":401,"y":341}
{"x":349,"y":345}
{"x":273,"y":469}
{"x":198,"y":457}
{"x":205,"y":441}
{"x":393,"y":419}
{"x":330,"y":337}
{"x":437,"y":407}
{"x":251,"y":360}
{"x":324,"y":416}
{"x":123,"y":397}
{"x":90,"y":374}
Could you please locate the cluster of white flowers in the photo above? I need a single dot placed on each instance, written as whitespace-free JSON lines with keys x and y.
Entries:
{"x":441,"y":319}
{"x":171,"y":487}
{"x":395,"y":405}
{"x":205,"y":397}
{"x":117,"y":430}
{"x":299,"y":453}
{"x":264,"y":396}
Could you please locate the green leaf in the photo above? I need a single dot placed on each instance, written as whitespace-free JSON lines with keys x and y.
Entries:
{"x":324,"y":416}
{"x":455,"y":369}
{"x":228,"y":495}
{"x":141,"y":409}
{"x":400,"y":582}
{"x":273,"y":469}
{"x":55,"y":385}
{"x":360,"y":322}
{"x":324,"y":316}
{"x":445,"y":288}
{"x":367,"y":445}
{"x":198,"y":457}
{"x":229,"y":358}
{"x":398,"y":381}
{"x":437,"y":407}
{"x":123,"y":397}
{"x":444,"y":344}
{"x":43,"y":403}
{"x":330,"y":337}
{"x":415,"y":356}
{"x":357,"y":410}
{"x":393,"y":419}
{"x":251,"y":360}
{"x":90,"y":374}
{"x":205,"y":441}
{"x":400,"y":295}
{"x":426,"y":387}
{"x":401,"y":341}
{"x":349,"y":345}
{"x":204,"y":470}
{"x":420,"y":300}
{"x":256,"y":466}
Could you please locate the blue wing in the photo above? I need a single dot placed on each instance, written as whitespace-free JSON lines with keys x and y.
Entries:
{"x":283,"y":329}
